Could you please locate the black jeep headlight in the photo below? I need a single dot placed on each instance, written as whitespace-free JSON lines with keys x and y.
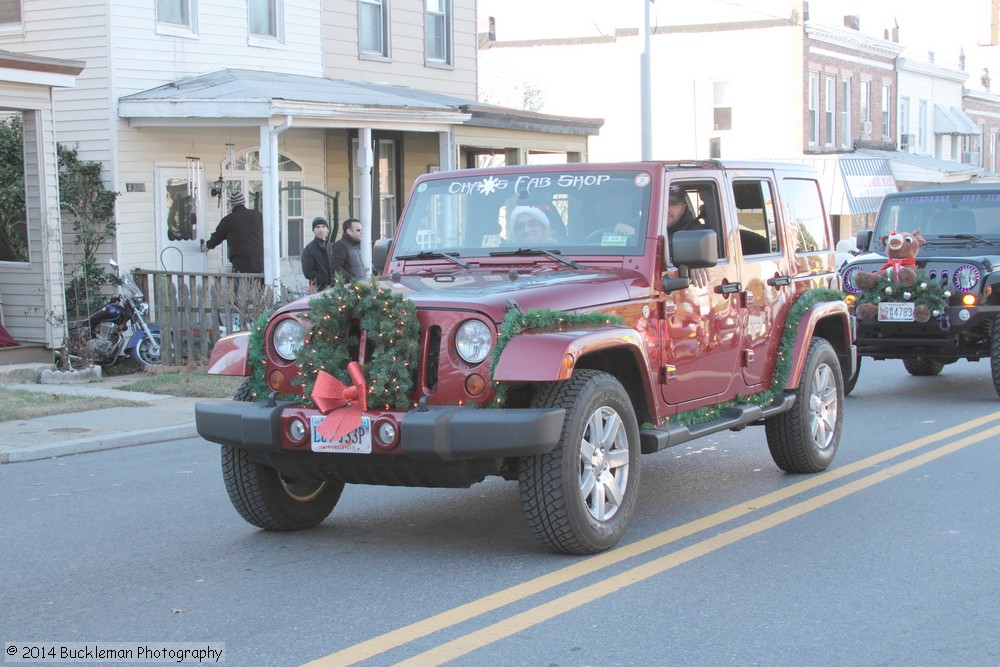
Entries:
{"x":288,"y":338}
{"x":966,"y":277}
{"x":473,"y":340}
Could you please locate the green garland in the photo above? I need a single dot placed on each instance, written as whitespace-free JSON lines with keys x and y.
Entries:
{"x":923,"y":292}
{"x":255,"y":356}
{"x":782,"y":365}
{"x":393,"y":335}
{"x":517,"y":321}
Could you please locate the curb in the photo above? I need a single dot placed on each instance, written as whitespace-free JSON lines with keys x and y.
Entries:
{"x":100,"y":443}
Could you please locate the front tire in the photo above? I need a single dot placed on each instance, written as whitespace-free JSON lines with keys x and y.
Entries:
{"x":922,"y":366}
{"x":579,"y":498}
{"x":142,"y":353}
{"x":269,"y":500}
{"x":995,"y":353}
{"x":805,"y":438}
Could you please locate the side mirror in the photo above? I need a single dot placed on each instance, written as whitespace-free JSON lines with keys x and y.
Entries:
{"x":692,"y":249}
{"x":864,"y":240}
{"x":380,"y":253}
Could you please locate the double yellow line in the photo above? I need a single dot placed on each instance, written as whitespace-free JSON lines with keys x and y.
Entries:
{"x":519,"y":622}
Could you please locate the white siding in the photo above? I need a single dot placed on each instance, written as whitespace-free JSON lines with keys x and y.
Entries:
{"x":405,"y":65}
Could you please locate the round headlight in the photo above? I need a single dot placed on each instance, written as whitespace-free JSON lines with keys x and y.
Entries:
{"x":966,"y":277}
{"x":288,"y":338}
{"x":473,"y":341}
{"x":847,"y":277}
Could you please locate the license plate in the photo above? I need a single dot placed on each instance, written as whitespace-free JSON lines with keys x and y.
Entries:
{"x":895,"y":312}
{"x":358,"y":441}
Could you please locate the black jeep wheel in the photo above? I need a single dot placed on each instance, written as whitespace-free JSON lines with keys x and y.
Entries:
{"x":579,"y":498}
{"x":922,"y":366}
{"x":995,"y":353}
{"x":269,"y":500}
{"x":805,"y":438}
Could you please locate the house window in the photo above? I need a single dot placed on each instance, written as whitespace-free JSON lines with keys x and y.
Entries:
{"x":885,"y":109}
{"x":830,"y":110}
{"x":722,"y":106}
{"x":373,"y":16}
{"x":10,"y":17}
{"x":922,"y":127}
{"x":263,"y":17}
{"x":176,"y":13}
{"x":905,"y":138}
{"x":715,"y":148}
{"x":294,"y":219}
{"x":845,"y":113}
{"x":813,"y":108}
{"x":866,"y":103}
{"x":437,"y":31}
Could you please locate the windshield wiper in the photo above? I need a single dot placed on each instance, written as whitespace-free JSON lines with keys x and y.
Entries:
{"x":964,"y":237}
{"x":433,"y":254}
{"x":527,"y":252}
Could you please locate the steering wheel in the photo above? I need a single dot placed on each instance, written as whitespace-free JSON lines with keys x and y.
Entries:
{"x":598,"y":234}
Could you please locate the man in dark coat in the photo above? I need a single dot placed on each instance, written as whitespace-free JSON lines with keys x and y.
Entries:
{"x":244,"y":230}
{"x":680,"y":218}
{"x":316,"y":256}
{"x":346,"y":262}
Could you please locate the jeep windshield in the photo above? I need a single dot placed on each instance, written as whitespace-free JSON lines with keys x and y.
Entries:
{"x":548,"y":212}
{"x":944,"y":219}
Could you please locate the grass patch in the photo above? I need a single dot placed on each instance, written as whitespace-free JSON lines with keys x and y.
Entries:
{"x":20,"y":404}
{"x":194,"y":384}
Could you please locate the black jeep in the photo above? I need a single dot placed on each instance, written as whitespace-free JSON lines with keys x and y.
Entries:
{"x":955,"y":285}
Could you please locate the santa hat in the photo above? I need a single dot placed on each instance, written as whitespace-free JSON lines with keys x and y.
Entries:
{"x":531,"y":212}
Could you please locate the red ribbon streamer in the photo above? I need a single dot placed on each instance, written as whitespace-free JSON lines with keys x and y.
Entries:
{"x":343,"y":405}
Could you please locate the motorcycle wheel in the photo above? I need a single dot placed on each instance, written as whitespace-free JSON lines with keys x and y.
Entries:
{"x":142,"y":353}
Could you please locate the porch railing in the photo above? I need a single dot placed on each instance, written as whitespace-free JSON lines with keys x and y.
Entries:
{"x":193,"y":310}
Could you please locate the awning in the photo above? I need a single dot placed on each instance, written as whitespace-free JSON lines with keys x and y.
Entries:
{"x":952,"y":120}
{"x":914,"y":168}
{"x":852,"y":184}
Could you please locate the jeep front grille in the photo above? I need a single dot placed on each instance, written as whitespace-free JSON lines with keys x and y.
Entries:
{"x":433,"y":358}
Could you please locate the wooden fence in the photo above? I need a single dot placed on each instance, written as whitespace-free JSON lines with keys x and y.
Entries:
{"x":193,"y":310}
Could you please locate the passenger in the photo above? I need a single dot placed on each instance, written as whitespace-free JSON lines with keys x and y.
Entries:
{"x":530,"y":226}
{"x":680,"y":218}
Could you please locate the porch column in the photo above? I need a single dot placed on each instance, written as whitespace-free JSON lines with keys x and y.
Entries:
{"x":270,"y":203}
{"x":365,"y":162}
{"x":447,"y":150}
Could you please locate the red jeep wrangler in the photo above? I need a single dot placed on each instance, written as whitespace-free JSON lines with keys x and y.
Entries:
{"x":540,"y":323}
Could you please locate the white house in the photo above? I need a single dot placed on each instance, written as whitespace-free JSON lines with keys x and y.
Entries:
{"x":274,"y":97}
{"x":32,"y":302}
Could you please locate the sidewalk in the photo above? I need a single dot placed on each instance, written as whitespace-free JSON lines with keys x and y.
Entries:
{"x":160,"y":418}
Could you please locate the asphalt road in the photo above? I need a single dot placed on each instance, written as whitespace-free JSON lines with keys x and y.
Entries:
{"x":888,"y":558}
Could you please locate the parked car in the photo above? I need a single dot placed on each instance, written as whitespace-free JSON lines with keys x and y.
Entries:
{"x":956,"y":280}
{"x":555,"y":361}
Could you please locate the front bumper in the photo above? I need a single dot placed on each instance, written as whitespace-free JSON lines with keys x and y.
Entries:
{"x":444,"y":433}
{"x":961,"y":332}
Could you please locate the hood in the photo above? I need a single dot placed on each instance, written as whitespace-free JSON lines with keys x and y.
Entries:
{"x":490,"y":291}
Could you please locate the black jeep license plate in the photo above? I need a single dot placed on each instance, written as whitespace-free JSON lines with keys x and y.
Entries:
{"x":895,"y":312}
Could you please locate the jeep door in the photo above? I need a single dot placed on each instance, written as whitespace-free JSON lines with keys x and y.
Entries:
{"x":701,"y":340}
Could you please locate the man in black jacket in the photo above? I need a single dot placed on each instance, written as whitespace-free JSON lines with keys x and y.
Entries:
{"x":346,"y":256}
{"x":244,"y":230}
{"x":316,"y":256}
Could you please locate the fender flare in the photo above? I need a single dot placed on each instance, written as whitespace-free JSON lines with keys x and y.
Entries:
{"x":812,"y":321}
{"x":231,"y":355}
{"x":546,"y":356}
{"x":140,"y":334}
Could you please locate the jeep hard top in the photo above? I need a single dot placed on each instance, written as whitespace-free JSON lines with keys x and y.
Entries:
{"x":957,"y":278}
{"x":556,"y":359}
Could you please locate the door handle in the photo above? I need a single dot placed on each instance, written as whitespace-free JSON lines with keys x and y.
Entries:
{"x":779,"y":281}
{"x":729,"y":288}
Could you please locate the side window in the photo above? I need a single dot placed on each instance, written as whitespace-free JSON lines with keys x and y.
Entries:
{"x":176,"y":14}
{"x":373,"y":35}
{"x":695,"y":205}
{"x":10,"y":17}
{"x":806,"y":218}
{"x":265,"y":19}
{"x":756,"y":216}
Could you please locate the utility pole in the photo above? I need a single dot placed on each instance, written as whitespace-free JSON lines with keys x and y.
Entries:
{"x":645,"y":98}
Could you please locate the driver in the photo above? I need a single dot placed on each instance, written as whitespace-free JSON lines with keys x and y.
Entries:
{"x":530,"y":226}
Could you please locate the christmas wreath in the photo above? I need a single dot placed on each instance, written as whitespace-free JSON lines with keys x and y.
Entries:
{"x":391,"y":331}
{"x":518,"y":320}
{"x":924,"y":292}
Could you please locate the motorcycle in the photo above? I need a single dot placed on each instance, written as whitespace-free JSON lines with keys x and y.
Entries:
{"x":118,"y":328}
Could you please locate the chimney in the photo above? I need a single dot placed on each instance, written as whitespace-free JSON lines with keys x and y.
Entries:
{"x":493,"y":29}
{"x":961,"y":58}
{"x":930,"y":57}
{"x":985,"y":79}
{"x":805,"y":10}
{"x":895,"y":32}
{"x":852,"y":21}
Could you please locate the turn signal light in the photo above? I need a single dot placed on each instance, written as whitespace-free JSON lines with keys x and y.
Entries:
{"x":475,"y":384}
{"x":968,"y":299}
{"x":276,"y":380}
{"x":850,"y":299}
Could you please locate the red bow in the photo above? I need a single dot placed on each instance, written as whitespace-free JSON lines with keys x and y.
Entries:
{"x":897,"y":263}
{"x":329,"y":394}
